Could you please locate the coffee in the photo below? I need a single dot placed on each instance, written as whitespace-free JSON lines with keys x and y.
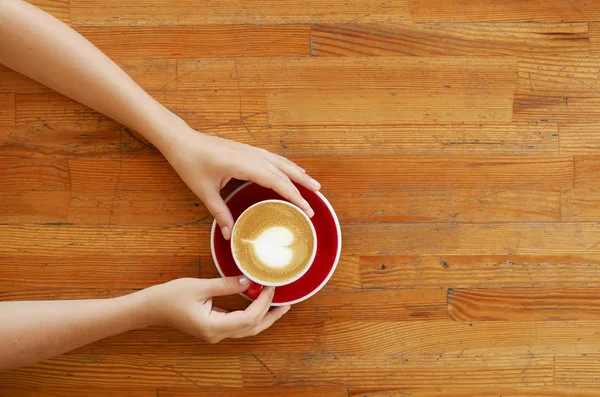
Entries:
{"x":273,"y":242}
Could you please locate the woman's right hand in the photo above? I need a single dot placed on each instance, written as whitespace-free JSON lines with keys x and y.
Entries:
{"x":186,"y":304}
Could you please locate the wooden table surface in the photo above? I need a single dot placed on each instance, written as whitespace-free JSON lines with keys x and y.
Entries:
{"x":458,"y":140}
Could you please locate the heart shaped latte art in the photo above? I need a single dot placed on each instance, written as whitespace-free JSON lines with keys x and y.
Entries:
{"x":272,"y":246}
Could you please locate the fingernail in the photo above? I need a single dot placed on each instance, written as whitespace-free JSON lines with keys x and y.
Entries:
{"x":225,"y":232}
{"x":310,"y":212}
{"x":244,"y":281}
{"x":316,"y":184}
{"x":287,"y":309}
{"x":305,"y":204}
{"x":272,"y":291}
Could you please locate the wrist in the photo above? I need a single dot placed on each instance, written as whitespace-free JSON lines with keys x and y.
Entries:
{"x":144,"y":307}
{"x":162,"y":127}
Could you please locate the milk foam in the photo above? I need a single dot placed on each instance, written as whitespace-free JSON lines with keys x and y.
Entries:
{"x":271,"y":247}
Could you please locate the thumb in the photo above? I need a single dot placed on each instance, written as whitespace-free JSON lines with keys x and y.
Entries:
{"x":219,"y":210}
{"x":224,"y":286}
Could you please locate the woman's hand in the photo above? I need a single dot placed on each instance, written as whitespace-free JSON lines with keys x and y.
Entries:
{"x":207,"y":163}
{"x":186,"y":304}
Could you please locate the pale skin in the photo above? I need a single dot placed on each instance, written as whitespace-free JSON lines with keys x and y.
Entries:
{"x":44,"y":49}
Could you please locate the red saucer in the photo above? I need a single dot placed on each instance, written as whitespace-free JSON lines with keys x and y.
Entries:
{"x":329,"y":242}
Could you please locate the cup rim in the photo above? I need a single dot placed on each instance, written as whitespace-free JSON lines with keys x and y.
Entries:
{"x":310,"y":261}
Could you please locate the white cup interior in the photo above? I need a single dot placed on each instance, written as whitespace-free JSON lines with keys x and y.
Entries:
{"x":298,"y":276}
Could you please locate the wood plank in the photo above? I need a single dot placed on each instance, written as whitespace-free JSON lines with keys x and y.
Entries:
{"x":134,"y":370}
{"x":508,"y":10}
{"x":200,"y":41}
{"x":469,"y":392}
{"x":406,"y":139}
{"x":582,"y":201}
{"x":76,"y":240}
{"x":189,"y":12}
{"x":531,"y":304}
{"x":357,"y":305}
{"x":389,"y":107}
{"x":182,"y":391}
{"x":580,"y":138}
{"x":503,"y":271}
{"x":60,"y":141}
{"x":557,"y":88}
{"x":499,"y":172}
{"x":150,"y":74}
{"x":39,"y":273}
{"x":52,"y":111}
{"x":123,"y":207}
{"x":396,"y":371}
{"x":449,"y":39}
{"x":7,"y":104}
{"x":424,"y":204}
{"x":559,"y":76}
{"x":300,"y":391}
{"x":455,"y":340}
{"x":22,"y":175}
{"x":577,"y":370}
{"x":57,"y":8}
{"x":594,"y":32}
{"x":83,"y":392}
{"x":536,"y":238}
{"x":418,"y":73}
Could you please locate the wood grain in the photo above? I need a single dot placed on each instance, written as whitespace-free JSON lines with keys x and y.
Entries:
{"x":582,"y":201}
{"x":7,"y":104}
{"x":457,"y":340}
{"x":468,"y":392}
{"x":449,"y":39}
{"x":531,"y":304}
{"x":580,"y":138}
{"x":133,"y":370}
{"x":58,"y":8}
{"x":123,"y":272}
{"x":201,"y":41}
{"x":536,"y":238}
{"x":397,"y":371}
{"x":387,"y":107}
{"x":416,"y":73}
{"x":577,"y":370}
{"x":457,"y":141}
{"x":469,"y":271}
{"x":509,"y":10}
{"x":424,"y":204}
{"x":189,"y":12}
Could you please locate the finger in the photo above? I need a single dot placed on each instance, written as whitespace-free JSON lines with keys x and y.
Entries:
{"x":249,"y":318}
{"x":276,"y":180}
{"x":295,"y":172}
{"x":270,"y":318}
{"x":219,"y":310}
{"x":224,"y":286}
{"x":219,"y":210}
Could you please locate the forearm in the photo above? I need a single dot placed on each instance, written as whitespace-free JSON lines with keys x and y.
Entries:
{"x":43,"y":48}
{"x":37,"y":330}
